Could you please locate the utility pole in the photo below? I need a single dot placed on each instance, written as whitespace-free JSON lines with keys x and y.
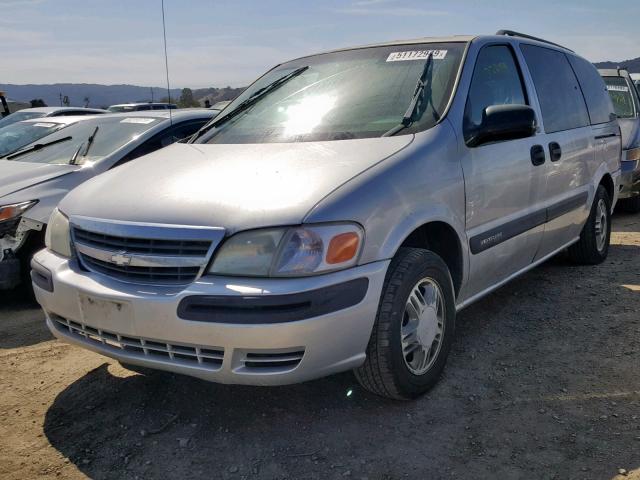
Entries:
{"x":60,"y":98}
{"x":151,"y":88}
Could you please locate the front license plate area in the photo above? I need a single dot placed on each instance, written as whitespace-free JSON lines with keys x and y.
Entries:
{"x":110,"y":315}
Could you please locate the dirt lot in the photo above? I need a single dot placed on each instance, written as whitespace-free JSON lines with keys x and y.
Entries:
{"x":543,"y":383}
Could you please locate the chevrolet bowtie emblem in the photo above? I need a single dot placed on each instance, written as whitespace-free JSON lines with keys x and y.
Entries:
{"x":121,"y":259}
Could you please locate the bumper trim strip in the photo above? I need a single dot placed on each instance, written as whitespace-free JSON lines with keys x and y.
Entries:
{"x":41,"y":276}
{"x":267,"y":309}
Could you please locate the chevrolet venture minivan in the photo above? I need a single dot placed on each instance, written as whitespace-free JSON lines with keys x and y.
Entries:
{"x":339,"y":213}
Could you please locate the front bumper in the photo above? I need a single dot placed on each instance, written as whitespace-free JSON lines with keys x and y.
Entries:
{"x":9,"y":273}
{"x":141,"y":325}
{"x":630,"y":179}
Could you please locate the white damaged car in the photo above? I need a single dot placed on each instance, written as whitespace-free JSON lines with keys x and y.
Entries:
{"x":34,"y":179}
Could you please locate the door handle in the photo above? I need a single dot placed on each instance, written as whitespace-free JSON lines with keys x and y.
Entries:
{"x":555,"y":152}
{"x":537,"y":155}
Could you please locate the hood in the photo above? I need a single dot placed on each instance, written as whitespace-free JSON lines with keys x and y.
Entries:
{"x":630,"y":130}
{"x":237,"y":187}
{"x":15,"y":176}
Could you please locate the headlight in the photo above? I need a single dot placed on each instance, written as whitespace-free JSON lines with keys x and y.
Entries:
{"x":57,"y":237}
{"x":632,"y":154}
{"x":8,"y":212}
{"x":295,"y":251}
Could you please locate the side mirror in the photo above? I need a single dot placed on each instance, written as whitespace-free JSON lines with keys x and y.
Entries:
{"x":504,"y":122}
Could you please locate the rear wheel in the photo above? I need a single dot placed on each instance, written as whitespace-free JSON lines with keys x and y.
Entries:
{"x":414,"y":327}
{"x":593,"y":246}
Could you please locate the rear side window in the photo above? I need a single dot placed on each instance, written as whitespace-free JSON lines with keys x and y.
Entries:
{"x":559,"y":94}
{"x":593,"y":88}
{"x":496,"y":81}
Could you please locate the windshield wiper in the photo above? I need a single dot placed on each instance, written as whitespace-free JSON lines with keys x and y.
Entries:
{"x":244,"y":105}
{"x":38,"y":146}
{"x":90,"y":141}
{"x":72,"y":160}
{"x":418,"y":94}
{"x":74,"y":157}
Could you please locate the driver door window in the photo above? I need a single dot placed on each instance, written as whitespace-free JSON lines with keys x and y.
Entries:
{"x":496,"y":81}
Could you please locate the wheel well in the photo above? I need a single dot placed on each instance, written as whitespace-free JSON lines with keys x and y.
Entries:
{"x":607,"y":183}
{"x":442,"y":240}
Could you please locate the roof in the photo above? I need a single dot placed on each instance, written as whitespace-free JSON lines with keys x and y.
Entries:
{"x":49,"y":110}
{"x":613,"y":72}
{"x":449,"y":39}
{"x":176,"y":114}
{"x":454,"y":38}
{"x":65,"y":120}
{"x":139,"y":103}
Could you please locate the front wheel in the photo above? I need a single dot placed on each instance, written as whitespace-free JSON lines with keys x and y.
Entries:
{"x":414,"y":327}
{"x":593,"y":246}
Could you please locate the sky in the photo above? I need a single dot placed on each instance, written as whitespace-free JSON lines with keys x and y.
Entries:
{"x":217,"y":43}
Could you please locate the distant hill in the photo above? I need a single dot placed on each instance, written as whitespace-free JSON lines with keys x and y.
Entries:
{"x":104,"y":95}
{"x":632,"y":65}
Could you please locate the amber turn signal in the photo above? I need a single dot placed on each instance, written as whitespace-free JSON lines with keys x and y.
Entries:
{"x":342,"y":248}
{"x":8,"y":212}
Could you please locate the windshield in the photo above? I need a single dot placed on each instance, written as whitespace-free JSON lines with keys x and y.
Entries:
{"x":620,"y":96}
{"x":113,"y":133}
{"x":18,"y":117}
{"x":360,"y":93}
{"x":17,"y":135}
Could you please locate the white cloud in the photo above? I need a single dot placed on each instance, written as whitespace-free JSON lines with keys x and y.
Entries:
{"x":392,"y":12}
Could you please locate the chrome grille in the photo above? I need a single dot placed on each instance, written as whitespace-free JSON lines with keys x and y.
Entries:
{"x":161,"y":275}
{"x":144,"y":253}
{"x":188,"y":355}
{"x":142,"y":245}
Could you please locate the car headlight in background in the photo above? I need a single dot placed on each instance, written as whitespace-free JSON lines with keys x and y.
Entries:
{"x":290,"y":252}
{"x":632,"y":154}
{"x":9,"y":212}
{"x":57,"y":238}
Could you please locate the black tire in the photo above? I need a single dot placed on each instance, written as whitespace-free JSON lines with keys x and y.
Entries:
{"x":586,"y":250}
{"x":385,"y":372}
{"x":629,"y":205}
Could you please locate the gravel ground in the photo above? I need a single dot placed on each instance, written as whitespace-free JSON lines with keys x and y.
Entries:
{"x":542,"y":383}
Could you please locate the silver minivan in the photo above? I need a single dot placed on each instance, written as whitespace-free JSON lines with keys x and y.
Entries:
{"x":339,"y":213}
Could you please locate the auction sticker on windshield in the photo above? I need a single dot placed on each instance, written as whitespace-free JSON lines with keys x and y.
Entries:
{"x":45,"y":125}
{"x":617,"y":88}
{"x":137,"y":120}
{"x":416,"y":55}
